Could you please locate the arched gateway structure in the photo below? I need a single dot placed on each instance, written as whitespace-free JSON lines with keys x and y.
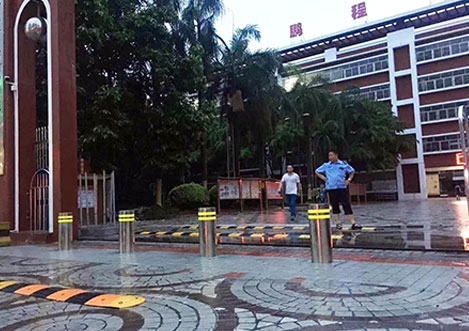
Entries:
{"x":38,"y":131}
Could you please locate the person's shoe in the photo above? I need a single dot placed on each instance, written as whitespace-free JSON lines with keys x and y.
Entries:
{"x":339,"y":227}
{"x":292,"y":219}
{"x":356,"y":227}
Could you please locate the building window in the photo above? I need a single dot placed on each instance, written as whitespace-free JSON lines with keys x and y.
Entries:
{"x":442,"y":112}
{"x":380,"y":92}
{"x":354,"y":69}
{"x":441,"y":143}
{"x":442,"y":49}
{"x":444,"y":80}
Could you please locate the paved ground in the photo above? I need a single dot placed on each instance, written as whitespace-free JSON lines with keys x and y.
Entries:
{"x":446,"y":216}
{"x":435,"y":224}
{"x":242,"y":289}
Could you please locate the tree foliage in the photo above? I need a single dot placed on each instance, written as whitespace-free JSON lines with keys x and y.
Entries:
{"x":156,"y":86}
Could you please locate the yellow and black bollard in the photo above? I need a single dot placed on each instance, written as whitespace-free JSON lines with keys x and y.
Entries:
{"x":5,"y":239}
{"x":65,"y":231}
{"x":126,"y":231}
{"x":319,"y":216}
{"x":208,"y":231}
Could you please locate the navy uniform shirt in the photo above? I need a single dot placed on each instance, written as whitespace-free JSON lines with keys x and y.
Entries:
{"x":336,"y":174}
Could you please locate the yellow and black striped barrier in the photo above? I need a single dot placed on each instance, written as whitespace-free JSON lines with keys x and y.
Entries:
{"x":208,"y":231}
{"x":126,"y":231}
{"x":5,"y":239}
{"x":319,"y":216}
{"x":65,"y":221}
{"x":72,"y":295}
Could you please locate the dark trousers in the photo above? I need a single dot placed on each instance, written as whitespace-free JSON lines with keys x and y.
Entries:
{"x":291,"y":199}
{"x":340,"y":197}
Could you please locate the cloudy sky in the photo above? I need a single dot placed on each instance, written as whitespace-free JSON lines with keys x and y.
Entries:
{"x":318,"y":17}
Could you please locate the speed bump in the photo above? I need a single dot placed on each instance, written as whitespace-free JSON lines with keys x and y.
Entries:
{"x":66,"y":294}
{"x":77,"y":296}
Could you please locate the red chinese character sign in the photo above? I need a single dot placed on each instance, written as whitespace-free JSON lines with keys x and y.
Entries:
{"x":296,"y":30}
{"x":359,"y":11}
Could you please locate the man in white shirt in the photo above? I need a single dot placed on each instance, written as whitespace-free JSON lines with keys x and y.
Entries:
{"x":292,"y":184}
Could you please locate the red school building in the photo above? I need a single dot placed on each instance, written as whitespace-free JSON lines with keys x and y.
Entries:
{"x":417,"y":62}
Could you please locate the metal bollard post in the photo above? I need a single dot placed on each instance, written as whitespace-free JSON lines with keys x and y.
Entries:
{"x":208,"y":231}
{"x":319,"y":216}
{"x":126,"y":231}
{"x":65,"y":231}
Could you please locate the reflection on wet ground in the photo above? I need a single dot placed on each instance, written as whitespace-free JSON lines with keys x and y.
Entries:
{"x":434,"y":224}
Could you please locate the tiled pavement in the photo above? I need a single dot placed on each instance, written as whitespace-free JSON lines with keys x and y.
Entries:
{"x":442,"y":216}
{"x":242,"y":289}
{"x":435,"y":224}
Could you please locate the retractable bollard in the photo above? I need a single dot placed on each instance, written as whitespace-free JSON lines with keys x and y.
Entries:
{"x":65,"y":231}
{"x":208,"y":232}
{"x":126,"y":231}
{"x":319,"y":216}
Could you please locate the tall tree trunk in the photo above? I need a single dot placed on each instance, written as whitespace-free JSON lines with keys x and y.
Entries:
{"x":159,"y":192}
{"x":203,"y":156}
{"x":237,"y":148}
{"x":261,"y":157}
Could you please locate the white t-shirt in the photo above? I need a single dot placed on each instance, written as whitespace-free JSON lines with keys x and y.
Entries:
{"x":291,"y":183}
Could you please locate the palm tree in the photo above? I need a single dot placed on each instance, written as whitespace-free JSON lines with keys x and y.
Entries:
{"x":198,"y":29}
{"x":249,"y":83}
{"x":372,"y":132}
{"x":312,"y":105}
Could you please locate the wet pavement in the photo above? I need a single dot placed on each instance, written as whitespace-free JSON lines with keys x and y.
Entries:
{"x":244,"y":288}
{"x":445,"y":216}
{"x":434,"y":224}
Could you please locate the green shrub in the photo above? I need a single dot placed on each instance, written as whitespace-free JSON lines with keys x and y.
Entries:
{"x":213,"y":195}
{"x":154,"y":213}
{"x":189,"y":196}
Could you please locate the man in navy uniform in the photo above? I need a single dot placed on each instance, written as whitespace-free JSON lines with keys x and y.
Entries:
{"x":337,"y":175}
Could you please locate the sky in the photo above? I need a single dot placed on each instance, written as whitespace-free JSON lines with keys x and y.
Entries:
{"x":318,"y":17}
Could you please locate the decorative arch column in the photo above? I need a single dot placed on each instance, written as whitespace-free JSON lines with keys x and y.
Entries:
{"x":20,"y":107}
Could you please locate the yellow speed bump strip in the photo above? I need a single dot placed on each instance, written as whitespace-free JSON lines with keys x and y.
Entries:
{"x":235,"y":235}
{"x":257,"y":235}
{"x":281,"y":236}
{"x":76,"y":296}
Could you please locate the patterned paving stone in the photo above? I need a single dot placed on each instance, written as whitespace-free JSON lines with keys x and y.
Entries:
{"x":237,"y":292}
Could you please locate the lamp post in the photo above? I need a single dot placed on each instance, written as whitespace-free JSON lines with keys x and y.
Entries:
{"x":464,"y":128}
{"x":309,"y":158}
